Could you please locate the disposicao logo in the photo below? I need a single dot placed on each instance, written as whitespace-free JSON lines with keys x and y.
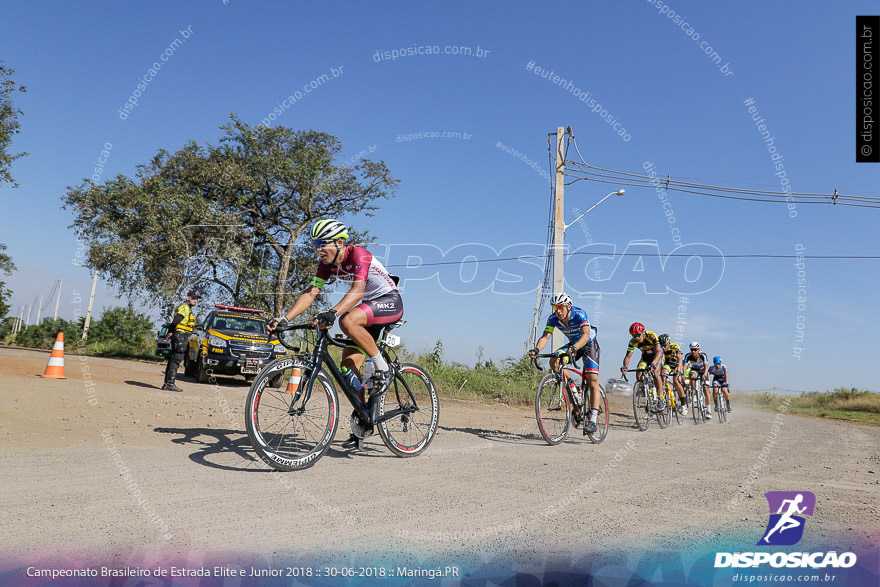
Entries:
{"x":786,"y":525}
{"x":785,"y":528}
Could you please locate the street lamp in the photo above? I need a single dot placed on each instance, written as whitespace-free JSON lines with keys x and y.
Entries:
{"x":619,"y":192}
{"x":559,"y":242}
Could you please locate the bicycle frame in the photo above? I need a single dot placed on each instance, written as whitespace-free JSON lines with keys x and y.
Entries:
{"x":653,"y":398}
{"x":697,"y":394}
{"x":321,"y":357}
{"x":648,"y":381}
{"x":564,"y":368}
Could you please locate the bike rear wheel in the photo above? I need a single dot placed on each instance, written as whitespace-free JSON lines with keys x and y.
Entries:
{"x":602,"y":418}
{"x":552,"y":410}
{"x":641,"y":406}
{"x":408,"y":435}
{"x":286,"y":435}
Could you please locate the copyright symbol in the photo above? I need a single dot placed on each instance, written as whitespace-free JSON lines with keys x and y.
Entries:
{"x":866,"y":150}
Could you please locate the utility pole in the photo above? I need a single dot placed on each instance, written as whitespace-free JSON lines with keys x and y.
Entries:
{"x":58,"y":299}
{"x":39,"y":310}
{"x":559,"y":226}
{"x":91,"y":302}
{"x":28,"y":320}
{"x":20,"y":316}
{"x":533,"y":334}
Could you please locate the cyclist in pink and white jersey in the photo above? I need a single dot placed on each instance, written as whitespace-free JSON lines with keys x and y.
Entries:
{"x":372,"y":302}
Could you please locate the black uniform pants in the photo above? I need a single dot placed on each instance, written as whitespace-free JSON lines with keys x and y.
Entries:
{"x":178,"y":348}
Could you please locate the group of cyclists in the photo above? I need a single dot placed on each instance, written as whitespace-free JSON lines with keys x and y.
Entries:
{"x":660,"y":357}
{"x":373,"y":301}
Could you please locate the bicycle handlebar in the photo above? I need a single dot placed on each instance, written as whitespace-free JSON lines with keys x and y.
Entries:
{"x":629,"y":371}
{"x":545,"y":356}
{"x":279,"y":330}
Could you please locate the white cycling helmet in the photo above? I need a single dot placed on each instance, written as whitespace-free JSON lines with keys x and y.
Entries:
{"x":328,"y":230}
{"x":561,"y":299}
{"x":695,"y":345}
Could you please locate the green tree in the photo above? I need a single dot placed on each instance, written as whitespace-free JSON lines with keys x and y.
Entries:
{"x":123,"y":325}
{"x":9,"y":124}
{"x":6,"y":267}
{"x":230,"y":217}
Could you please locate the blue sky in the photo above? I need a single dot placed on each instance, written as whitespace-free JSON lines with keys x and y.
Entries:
{"x":683,"y":113}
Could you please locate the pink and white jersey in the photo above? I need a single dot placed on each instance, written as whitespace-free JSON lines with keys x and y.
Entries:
{"x":358,"y":264}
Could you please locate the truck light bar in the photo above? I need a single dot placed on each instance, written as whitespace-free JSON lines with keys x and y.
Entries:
{"x":235,"y":309}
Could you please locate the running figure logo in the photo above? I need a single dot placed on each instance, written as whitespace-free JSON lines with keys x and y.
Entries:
{"x":786,"y":526}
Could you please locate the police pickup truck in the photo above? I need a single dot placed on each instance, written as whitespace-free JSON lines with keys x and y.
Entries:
{"x":230,"y":341}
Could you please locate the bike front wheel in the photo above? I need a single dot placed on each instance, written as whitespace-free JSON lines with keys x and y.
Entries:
{"x":552,"y":410}
{"x":664,"y":416}
{"x":409,"y":434}
{"x":602,"y":418}
{"x":674,"y":403}
{"x":641,"y":406}
{"x":285,"y":432}
{"x":722,"y":408}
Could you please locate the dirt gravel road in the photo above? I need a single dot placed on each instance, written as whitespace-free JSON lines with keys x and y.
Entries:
{"x":105,"y":466}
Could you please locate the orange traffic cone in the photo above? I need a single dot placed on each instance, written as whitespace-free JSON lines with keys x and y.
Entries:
{"x":293,"y":382}
{"x":55,"y":368}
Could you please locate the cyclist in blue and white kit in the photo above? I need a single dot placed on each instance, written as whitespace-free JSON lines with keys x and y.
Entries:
{"x":720,"y":378}
{"x":574,"y":323}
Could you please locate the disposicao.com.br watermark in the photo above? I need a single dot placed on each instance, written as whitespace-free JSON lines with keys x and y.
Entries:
{"x":421,"y":50}
{"x":151,"y":73}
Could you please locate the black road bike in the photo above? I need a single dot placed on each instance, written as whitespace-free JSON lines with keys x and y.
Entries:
{"x":291,"y":425}
{"x":647,"y":402}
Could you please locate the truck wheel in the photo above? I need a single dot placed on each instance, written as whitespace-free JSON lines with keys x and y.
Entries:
{"x":189,"y":368}
{"x":201,"y":372}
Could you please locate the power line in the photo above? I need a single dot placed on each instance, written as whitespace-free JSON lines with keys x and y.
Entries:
{"x":583,"y":171}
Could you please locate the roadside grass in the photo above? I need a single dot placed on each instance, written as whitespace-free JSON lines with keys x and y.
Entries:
{"x":119,"y":350}
{"x":843,"y":403}
{"x":514,"y":383}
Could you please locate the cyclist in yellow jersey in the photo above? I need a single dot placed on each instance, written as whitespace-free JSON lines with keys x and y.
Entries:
{"x":672,"y":363}
{"x":652,"y":354}
{"x":179,"y":330}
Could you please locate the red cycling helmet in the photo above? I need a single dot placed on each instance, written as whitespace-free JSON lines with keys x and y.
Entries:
{"x":637,"y":328}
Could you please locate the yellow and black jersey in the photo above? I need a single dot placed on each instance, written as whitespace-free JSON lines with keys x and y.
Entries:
{"x":646,"y":346}
{"x":671,"y":354}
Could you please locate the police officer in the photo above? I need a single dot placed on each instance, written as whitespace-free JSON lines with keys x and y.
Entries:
{"x":179,"y":331}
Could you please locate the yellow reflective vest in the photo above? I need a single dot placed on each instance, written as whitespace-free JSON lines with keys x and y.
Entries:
{"x":188,"y":321}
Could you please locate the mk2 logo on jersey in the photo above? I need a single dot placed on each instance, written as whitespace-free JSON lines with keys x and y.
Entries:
{"x":786,"y":524}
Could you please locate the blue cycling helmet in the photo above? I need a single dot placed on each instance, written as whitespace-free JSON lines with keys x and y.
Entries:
{"x":716,"y":360}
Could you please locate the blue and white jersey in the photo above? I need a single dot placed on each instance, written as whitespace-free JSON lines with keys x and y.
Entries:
{"x":718,"y":372}
{"x":577,"y":318}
